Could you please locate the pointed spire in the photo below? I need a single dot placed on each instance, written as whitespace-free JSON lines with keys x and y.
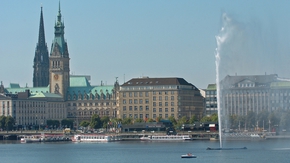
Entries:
{"x":59,"y":41}
{"x":59,"y":13}
{"x":41,"y":35}
{"x":41,"y":61}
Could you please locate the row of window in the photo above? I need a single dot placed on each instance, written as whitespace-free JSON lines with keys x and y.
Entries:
{"x":92,"y":104}
{"x":140,"y":108}
{"x":160,"y":98}
{"x":147,"y":102}
{"x":140,"y":94}
{"x":146,"y":116}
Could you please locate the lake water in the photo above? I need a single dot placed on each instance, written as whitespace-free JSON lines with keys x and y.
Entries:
{"x":277,"y":151}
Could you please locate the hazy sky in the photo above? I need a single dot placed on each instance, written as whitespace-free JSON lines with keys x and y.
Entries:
{"x":155,"y":38}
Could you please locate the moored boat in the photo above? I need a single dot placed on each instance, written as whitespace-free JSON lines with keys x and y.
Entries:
{"x":94,"y":138}
{"x":165,"y":138}
{"x":188,"y":155}
{"x":30,"y":138}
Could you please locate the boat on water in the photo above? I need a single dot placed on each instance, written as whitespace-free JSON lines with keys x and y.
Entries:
{"x":95,"y":138}
{"x":188,"y":155}
{"x":165,"y":137}
{"x":30,"y":138}
{"x":243,"y":136}
{"x":208,"y":148}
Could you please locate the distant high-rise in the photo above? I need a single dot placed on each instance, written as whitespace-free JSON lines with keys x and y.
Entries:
{"x":41,"y":61}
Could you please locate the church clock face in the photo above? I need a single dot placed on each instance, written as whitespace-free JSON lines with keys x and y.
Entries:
{"x":55,"y":77}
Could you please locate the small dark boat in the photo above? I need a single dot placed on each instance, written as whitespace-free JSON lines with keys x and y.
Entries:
{"x":208,"y":148}
{"x":188,"y":155}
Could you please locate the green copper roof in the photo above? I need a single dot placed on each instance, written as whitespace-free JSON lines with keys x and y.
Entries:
{"x":33,"y":90}
{"x":79,"y":81}
{"x":14,"y":85}
{"x":211,"y":87}
{"x":51,"y":95}
{"x":282,"y":84}
{"x":91,"y":89}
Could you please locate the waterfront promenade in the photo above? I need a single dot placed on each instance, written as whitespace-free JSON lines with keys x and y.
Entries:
{"x":130,"y":136}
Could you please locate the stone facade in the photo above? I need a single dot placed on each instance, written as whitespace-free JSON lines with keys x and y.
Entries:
{"x":256,"y":93}
{"x":146,"y":98}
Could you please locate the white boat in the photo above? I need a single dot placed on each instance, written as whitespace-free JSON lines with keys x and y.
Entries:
{"x":165,"y":138}
{"x":188,"y":155}
{"x":94,"y":138}
{"x":30,"y":138}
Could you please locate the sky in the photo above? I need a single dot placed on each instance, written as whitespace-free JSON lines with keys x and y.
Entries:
{"x":153,"y":38}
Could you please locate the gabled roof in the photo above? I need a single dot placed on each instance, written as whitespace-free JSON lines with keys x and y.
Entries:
{"x":146,"y":81}
{"x":14,"y":85}
{"x":79,"y":81}
{"x":91,"y":89}
{"x":257,"y":79}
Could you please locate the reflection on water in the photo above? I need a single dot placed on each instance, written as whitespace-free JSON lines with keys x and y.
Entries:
{"x":136,"y":151}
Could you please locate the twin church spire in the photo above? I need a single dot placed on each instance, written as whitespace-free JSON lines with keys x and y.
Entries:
{"x":52,"y":70}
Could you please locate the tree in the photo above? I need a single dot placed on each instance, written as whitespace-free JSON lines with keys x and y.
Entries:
{"x":262,"y":117}
{"x":53,"y":123}
{"x":104,"y":121}
{"x":139,"y":120}
{"x":192,"y":119}
{"x":205,"y":119}
{"x":84,"y":123}
{"x":273,"y":120}
{"x":2,"y":121}
{"x":67,"y":123}
{"x":214,"y":117}
{"x":158,"y":119}
{"x":95,"y":122}
{"x":181,"y":121}
{"x":173,"y":120}
{"x":127,"y":121}
{"x":150,"y":120}
{"x":9,"y":122}
{"x":251,"y":119}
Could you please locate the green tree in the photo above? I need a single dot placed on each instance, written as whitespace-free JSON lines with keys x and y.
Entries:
{"x":105,"y":120}
{"x":139,"y":120}
{"x":67,"y":123}
{"x":181,"y":121}
{"x":273,"y":119}
{"x":150,"y":120}
{"x":2,"y":121}
{"x":9,"y":122}
{"x":262,"y":117}
{"x":158,"y":119}
{"x":95,"y":121}
{"x":84,"y":123}
{"x":214,"y":117}
{"x":53,"y":123}
{"x":173,"y":120}
{"x":192,"y":119}
{"x":251,"y":119}
{"x":127,"y":120}
{"x":205,"y":119}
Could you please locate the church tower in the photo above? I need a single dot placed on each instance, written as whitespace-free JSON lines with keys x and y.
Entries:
{"x":59,"y":60}
{"x":41,"y":61}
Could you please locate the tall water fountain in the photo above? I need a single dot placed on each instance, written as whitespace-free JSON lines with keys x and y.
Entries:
{"x":224,"y":38}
